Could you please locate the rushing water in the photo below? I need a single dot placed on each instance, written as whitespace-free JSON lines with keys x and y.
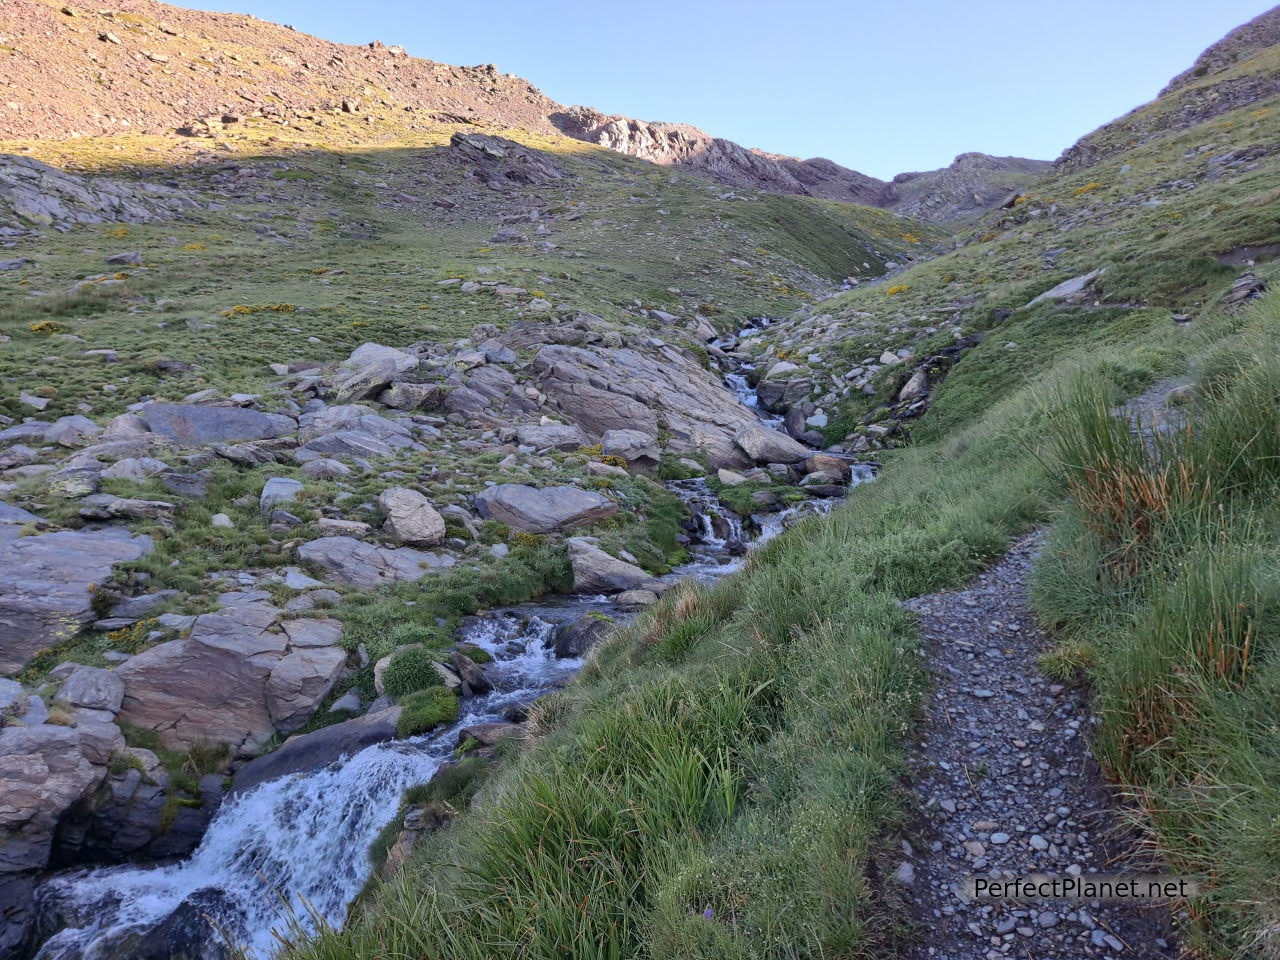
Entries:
{"x":296,"y":849}
{"x":296,"y":846}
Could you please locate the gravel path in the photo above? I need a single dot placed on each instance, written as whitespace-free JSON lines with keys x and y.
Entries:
{"x":1005,"y":783}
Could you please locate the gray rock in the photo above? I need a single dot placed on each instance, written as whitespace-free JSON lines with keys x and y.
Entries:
{"x":204,"y":423}
{"x":594,"y":571}
{"x":312,"y":750}
{"x":45,"y":582}
{"x":277,"y":491}
{"x":325,"y":469}
{"x":92,"y":688}
{"x":412,"y":396}
{"x":636,"y":447}
{"x":354,"y":563}
{"x":619,"y":388}
{"x":575,"y":639}
{"x":410,"y":517}
{"x":299,"y":682}
{"x":1069,"y":289}
{"x":313,"y":633}
{"x":545,"y":510}
{"x":551,"y":436}
{"x":168,"y":688}
{"x":136,"y":469}
{"x":769,"y":446}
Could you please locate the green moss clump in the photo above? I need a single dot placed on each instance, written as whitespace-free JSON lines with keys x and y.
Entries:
{"x":426,"y":710}
{"x":410,"y":671}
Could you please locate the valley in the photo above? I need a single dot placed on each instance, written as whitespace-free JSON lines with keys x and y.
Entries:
{"x":435,"y":521}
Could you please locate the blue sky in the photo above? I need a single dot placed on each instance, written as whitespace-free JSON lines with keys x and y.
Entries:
{"x":880,"y":87}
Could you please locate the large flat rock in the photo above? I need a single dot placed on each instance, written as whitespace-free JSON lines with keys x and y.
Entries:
{"x":355,"y":563}
{"x":207,"y":423}
{"x":595,"y":571}
{"x":544,"y":510}
{"x":45,"y":581}
{"x":308,"y":751}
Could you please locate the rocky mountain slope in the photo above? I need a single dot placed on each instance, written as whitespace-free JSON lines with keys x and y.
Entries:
{"x":149,"y":67}
{"x":972,"y":184}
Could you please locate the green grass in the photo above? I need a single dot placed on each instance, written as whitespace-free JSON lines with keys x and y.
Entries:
{"x":411,"y":671}
{"x":424,"y":710}
{"x":738,"y":749}
{"x":1163,"y":575}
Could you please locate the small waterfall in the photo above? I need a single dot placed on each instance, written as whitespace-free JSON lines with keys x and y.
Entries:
{"x":296,"y":846}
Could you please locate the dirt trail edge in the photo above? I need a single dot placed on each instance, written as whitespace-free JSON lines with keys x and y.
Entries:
{"x":1005,"y":784}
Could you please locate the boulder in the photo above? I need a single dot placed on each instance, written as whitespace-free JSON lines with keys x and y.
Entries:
{"x":325,"y":469}
{"x":168,"y":687}
{"x":412,"y":396}
{"x":345,"y":443}
{"x":551,"y":436}
{"x":43,"y":773}
{"x":410,"y":517}
{"x":575,"y":639}
{"x":769,"y":446}
{"x":92,"y":688}
{"x":826,"y":463}
{"x":45,"y":583}
{"x":355,"y":563}
{"x":916,"y":386}
{"x":781,"y":394}
{"x":470,"y":673}
{"x":370,"y":353}
{"x":208,"y":423}
{"x":544,"y":510}
{"x":309,"y":751}
{"x":635,"y":599}
{"x":299,"y":682}
{"x":364,"y":382}
{"x":594,"y":571}
{"x":490,"y":734}
{"x":277,"y":491}
{"x":72,"y":431}
{"x":1069,"y":289}
{"x":620,"y":388}
{"x":639,"y":449}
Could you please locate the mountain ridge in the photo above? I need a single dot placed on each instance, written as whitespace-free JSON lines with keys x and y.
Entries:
{"x":151,"y":67}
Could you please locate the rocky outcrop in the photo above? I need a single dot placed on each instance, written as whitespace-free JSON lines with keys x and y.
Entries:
{"x":46,"y":582}
{"x":604,"y":389}
{"x":676,"y":144}
{"x":266,"y":683}
{"x":973,"y":184}
{"x":309,"y":751}
{"x":545,"y":510}
{"x":502,"y":164}
{"x":1258,"y":34}
{"x":34,"y":194}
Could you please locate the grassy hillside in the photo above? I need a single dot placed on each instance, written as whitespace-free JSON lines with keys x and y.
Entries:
{"x":323,"y":245}
{"x":721,"y":781}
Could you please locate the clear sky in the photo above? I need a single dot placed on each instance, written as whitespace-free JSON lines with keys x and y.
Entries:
{"x":881,"y":87}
